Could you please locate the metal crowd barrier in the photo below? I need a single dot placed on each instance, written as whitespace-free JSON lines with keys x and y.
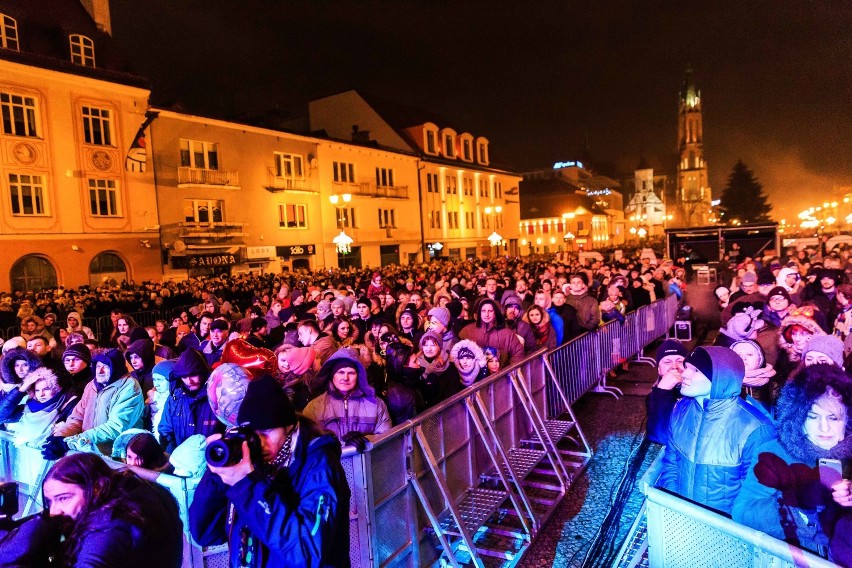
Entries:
{"x":684,"y":534}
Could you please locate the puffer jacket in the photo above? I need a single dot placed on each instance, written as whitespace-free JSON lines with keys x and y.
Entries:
{"x":712,"y":446}
{"x":300,"y":516}
{"x":104,"y":411}
{"x":361,"y":411}
{"x":588,"y":310}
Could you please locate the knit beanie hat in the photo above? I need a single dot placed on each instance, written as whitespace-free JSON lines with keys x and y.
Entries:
{"x":670,"y":347}
{"x":700,"y":359}
{"x":258,"y":323}
{"x":79,"y":350}
{"x":742,"y":326}
{"x":829,"y":345}
{"x":749,"y":278}
{"x":363,"y":301}
{"x":761,"y":357}
{"x":440,"y":314}
{"x":765,"y":278}
{"x":265,"y":405}
{"x":299,"y":359}
{"x":339,"y":303}
{"x":183,"y":328}
{"x":779,"y":291}
{"x":162,"y":370}
{"x":433,"y":336}
{"x":191,"y":362}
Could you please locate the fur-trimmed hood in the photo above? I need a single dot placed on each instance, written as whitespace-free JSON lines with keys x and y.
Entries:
{"x":804,"y":317}
{"x":796,"y":400}
{"x":781,"y":279}
{"x":7,"y":364}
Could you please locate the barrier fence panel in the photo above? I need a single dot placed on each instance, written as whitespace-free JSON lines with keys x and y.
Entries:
{"x":684,"y":534}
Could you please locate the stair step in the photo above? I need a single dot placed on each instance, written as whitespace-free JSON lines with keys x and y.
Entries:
{"x":557,"y":429}
{"x":523,"y":461}
{"x":475,"y":507}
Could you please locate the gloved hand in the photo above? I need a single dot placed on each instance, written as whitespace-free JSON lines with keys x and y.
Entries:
{"x":356,"y":440}
{"x":54,"y":448}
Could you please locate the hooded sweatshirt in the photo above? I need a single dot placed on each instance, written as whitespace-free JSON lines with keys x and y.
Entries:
{"x":80,"y":327}
{"x":144,"y":348}
{"x":713,"y":444}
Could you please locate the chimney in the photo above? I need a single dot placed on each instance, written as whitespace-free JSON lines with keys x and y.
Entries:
{"x":360,"y":135}
{"x":99,"y":10}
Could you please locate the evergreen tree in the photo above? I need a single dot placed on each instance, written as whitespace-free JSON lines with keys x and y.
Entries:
{"x":743,"y":198}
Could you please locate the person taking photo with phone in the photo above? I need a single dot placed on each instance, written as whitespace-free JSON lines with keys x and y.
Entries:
{"x":796,"y":491}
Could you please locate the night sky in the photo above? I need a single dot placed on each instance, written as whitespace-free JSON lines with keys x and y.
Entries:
{"x":536,"y":78}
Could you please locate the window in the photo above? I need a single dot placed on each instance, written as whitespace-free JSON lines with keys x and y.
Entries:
{"x":27,"y":194}
{"x":293,"y":216}
{"x":449,"y":146}
{"x":344,"y":172}
{"x":470,"y":220}
{"x":451,"y":185}
{"x":467,"y":185}
{"x":199,"y":155}
{"x":346,"y":218}
{"x":483,"y":153}
{"x":498,"y":190}
{"x":103,"y":198}
{"x":431,"y":145}
{"x":289,"y":166}
{"x":19,"y":115}
{"x":202,"y":210}
{"x":8,"y":33}
{"x":106,"y":267}
{"x":432,"y":183}
{"x":467,"y":153}
{"x":384,"y":177}
{"x":32,"y":273}
{"x":485,"y":223}
{"x":387,"y":219}
{"x":82,"y":50}
{"x":483,"y":188}
{"x":452,"y":219}
{"x":97,"y":126}
{"x":434,"y":219}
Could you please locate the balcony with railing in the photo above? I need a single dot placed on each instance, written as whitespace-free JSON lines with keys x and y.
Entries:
{"x":276,"y":183}
{"x":188,"y":177}
{"x":212,"y":232}
{"x":370,"y":189}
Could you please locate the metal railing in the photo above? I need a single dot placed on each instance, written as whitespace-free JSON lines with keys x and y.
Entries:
{"x":208,"y":177}
{"x":683,"y":533}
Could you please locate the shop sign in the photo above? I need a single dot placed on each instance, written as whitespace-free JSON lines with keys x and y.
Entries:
{"x":205,"y":260}
{"x":296,"y":250}
{"x":260,"y":252}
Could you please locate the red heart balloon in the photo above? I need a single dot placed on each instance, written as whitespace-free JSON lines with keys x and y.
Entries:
{"x":256,"y":360}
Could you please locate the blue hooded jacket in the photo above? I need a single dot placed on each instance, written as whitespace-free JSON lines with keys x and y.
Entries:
{"x":713,"y":445}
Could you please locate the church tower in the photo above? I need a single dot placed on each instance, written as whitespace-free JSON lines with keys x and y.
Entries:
{"x":693,"y":187}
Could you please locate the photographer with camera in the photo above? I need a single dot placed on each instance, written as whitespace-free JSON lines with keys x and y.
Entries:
{"x":275,"y":490}
{"x":95,"y":516}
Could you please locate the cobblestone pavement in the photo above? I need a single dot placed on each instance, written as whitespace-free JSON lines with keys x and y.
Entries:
{"x":614,"y":429}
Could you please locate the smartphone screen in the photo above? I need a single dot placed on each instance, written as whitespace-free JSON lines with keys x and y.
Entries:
{"x":830,"y":471}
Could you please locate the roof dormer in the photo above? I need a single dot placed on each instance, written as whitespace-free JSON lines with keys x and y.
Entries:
{"x":82,"y":50}
{"x":466,"y":147}
{"x":430,"y":139}
{"x":482,"y":151}
{"x":448,"y":142}
{"x":9,"y":33}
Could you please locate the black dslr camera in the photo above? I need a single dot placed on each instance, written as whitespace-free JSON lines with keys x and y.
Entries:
{"x":228,"y":450}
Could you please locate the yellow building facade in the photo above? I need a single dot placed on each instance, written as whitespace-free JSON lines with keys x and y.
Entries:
{"x":71,"y":213}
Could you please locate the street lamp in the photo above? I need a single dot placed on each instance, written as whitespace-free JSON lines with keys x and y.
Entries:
{"x":342,"y":242}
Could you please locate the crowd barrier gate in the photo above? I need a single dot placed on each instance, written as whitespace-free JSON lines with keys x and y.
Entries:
{"x":683,"y":534}
{"x":474,"y":477}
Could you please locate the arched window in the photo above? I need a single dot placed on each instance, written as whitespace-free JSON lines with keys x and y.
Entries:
{"x":107,"y":267}
{"x":32,"y":273}
{"x":8,"y":33}
{"x":82,"y":50}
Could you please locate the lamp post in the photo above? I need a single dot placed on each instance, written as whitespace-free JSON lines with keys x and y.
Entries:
{"x":494,"y":238}
{"x":342,"y":242}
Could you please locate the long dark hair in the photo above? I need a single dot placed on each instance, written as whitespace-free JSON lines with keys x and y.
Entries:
{"x":103,"y":489}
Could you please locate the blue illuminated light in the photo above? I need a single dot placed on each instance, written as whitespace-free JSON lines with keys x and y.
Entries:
{"x":560,"y":165}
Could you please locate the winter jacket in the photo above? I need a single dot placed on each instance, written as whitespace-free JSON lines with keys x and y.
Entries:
{"x":104,"y":411}
{"x":144,"y":348}
{"x":211,"y":353}
{"x":33,"y":421}
{"x":588,"y":310}
{"x":503,"y":340}
{"x":300,"y":516}
{"x":713,"y":445}
{"x":185,"y":415}
{"x":324,"y":347}
{"x":659,"y":406}
{"x":360,"y":411}
{"x":558,"y":326}
{"x":7,"y":364}
{"x":80,"y":327}
{"x":759,"y":506}
{"x":111,"y":539}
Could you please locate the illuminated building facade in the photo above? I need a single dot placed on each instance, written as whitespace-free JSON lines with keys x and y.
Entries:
{"x":693,"y":185}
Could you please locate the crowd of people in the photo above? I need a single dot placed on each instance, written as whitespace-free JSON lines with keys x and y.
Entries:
{"x":335,"y":358}
{"x":757,"y":425}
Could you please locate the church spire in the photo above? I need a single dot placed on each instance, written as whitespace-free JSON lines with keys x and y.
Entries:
{"x":689,"y":96}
